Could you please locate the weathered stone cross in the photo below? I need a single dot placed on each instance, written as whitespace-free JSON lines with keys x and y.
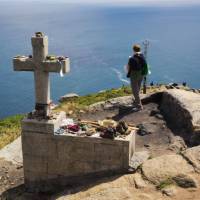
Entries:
{"x":41,"y":64}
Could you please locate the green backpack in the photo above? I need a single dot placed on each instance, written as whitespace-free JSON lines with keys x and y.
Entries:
{"x":145,"y":70}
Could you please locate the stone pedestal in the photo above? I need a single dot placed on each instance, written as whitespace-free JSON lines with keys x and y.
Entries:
{"x":52,"y":161}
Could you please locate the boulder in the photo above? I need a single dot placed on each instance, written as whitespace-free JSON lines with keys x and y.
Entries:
{"x":165,"y":167}
{"x":182,"y":106}
{"x":193,"y":156}
{"x":182,"y":109}
{"x":139,"y":182}
{"x":138,"y":158}
{"x":177,"y":144}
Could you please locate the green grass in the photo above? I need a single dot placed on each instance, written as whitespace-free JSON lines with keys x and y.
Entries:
{"x":165,"y":184}
{"x":82,"y":102}
{"x":10,"y":129}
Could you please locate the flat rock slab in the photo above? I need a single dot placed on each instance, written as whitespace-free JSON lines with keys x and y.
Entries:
{"x":139,"y":182}
{"x":138,"y":158}
{"x":124,"y":102}
{"x":12,"y":152}
{"x":164,"y":167}
{"x":111,"y":103}
{"x":68,"y":96}
{"x":193,"y":156}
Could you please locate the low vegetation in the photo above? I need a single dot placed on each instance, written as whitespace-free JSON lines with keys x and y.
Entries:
{"x":168,"y":182}
{"x":10,"y":129}
{"x":80,"y":103}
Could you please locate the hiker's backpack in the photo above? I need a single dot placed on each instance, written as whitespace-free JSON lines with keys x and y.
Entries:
{"x":137,"y":62}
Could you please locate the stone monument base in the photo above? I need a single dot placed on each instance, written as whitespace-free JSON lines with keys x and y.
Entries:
{"x":52,"y":161}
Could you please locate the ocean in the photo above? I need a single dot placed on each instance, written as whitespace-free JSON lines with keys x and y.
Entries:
{"x":98,"y":39}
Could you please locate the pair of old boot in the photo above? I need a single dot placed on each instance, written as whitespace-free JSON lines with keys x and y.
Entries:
{"x":136,"y":106}
{"x":122,"y":128}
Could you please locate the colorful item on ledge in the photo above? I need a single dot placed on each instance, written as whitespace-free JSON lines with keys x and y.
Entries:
{"x":39,"y":34}
{"x":51,"y":57}
{"x":74,"y":128}
{"x":107,"y":123}
{"x":108,"y":133}
{"x":60,"y":131}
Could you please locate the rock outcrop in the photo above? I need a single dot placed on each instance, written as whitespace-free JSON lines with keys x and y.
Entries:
{"x":182,"y":109}
{"x":139,"y":158}
{"x":165,"y":167}
{"x":124,"y":101}
{"x":68,"y":97}
{"x":177,"y":144}
{"x":12,"y":152}
{"x":139,"y":182}
{"x":111,"y":103}
{"x":193,"y":156}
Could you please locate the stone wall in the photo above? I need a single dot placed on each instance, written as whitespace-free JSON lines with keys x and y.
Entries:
{"x":52,"y":161}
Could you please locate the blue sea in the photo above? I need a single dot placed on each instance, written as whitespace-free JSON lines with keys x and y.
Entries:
{"x":98,"y":40}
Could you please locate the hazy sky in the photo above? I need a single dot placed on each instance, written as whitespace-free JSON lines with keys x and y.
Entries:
{"x":151,"y":2}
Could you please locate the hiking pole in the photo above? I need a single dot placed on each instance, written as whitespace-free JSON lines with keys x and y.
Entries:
{"x":146,"y":44}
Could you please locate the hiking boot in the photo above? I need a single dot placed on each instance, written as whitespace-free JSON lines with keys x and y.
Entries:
{"x":142,"y":130}
{"x":134,"y":104}
{"x":137,"y":108}
{"x":122,"y":127}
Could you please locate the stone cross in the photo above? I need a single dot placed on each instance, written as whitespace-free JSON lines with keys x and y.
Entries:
{"x":41,"y":64}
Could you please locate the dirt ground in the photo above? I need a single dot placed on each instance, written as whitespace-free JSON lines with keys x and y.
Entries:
{"x":157,"y":142}
{"x":159,"y":137}
{"x":11,"y":176}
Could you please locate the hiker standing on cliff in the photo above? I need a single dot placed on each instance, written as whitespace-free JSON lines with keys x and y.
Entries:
{"x":137,"y":70}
